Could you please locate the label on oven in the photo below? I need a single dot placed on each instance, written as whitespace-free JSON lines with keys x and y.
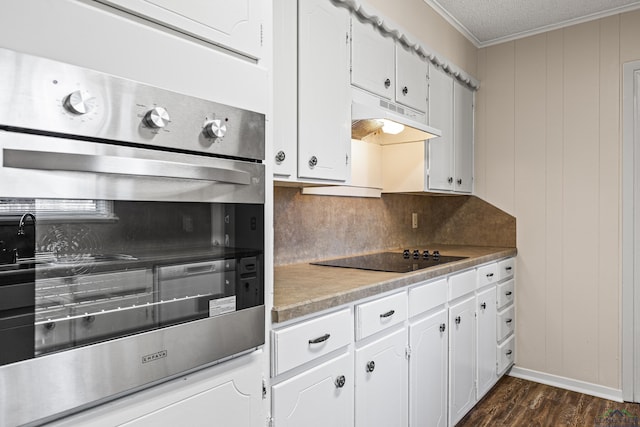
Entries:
{"x":222,"y":305}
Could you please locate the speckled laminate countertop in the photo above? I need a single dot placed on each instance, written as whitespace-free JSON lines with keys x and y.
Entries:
{"x":301,"y":289}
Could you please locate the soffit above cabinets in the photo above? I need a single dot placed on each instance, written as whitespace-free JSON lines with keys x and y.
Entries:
{"x":486,"y":23}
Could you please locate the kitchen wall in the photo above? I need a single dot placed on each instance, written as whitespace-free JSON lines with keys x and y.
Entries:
{"x":547,"y":150}
{"x":309,"y":227}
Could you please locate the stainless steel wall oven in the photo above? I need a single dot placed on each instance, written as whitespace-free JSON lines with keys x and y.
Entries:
{"x":131,"y":236}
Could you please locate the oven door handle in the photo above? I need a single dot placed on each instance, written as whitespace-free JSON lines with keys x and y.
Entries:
{"x":55,"y":161}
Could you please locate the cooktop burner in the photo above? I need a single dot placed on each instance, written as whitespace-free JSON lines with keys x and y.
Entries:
{"x":394,"y":262}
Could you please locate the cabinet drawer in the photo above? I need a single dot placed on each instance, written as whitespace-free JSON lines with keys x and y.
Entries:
{"x":300,"y":343}
{"x":506,"y":268}
{"x":505,"y":293}
{"x":506,"y":354}
{"x":487,"y":274}
{"x":506,"y":323}
{"x":374,"y":316}
{"x":423,"y":298}
{"x":461,"y":284}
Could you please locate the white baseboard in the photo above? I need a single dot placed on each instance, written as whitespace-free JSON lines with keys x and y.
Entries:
{"x":567,"y":383}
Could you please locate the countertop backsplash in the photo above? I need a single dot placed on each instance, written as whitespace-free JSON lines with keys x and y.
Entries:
{"x":310,"y":228}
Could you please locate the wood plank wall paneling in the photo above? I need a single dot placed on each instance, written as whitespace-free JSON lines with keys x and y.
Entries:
{"x":529,"y":181}
{"x":563,"y":185}
{"x":609,"y":209}
{"x":553,"y":135}
{"x":581,"y":201}
{"x":498,"y":90}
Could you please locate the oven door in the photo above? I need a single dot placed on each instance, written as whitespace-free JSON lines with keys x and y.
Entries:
{"x":134,"y":266}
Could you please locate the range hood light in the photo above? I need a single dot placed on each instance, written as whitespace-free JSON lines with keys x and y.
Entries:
{"x":391,"y":127}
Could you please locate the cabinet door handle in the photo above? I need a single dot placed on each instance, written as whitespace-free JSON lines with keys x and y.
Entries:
{"x":313,"y":161}
{"x":508,"y":293}
{"x":443,"y":327}
{"x":387,"y":314}
{"x":340,"y":381}
{"x":459,"y":181}
{"x":508,"y":321}
{"x":458,"y":320}
{"x":280,"y":156}
{"x":387,"y":83}
{"x":509,"y":352}
{"x":371,"y":365}
{"x":450,"y":180}
{"x":319,"y":339}
{"x":483,"y":305}
{"x":405,"y":90}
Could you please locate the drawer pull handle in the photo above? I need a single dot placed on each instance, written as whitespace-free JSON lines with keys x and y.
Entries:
{"x":458,"y":320}
{"x":489,"y":275}
{"x":509,"y":352}
{"x":319,"y":339}
{"x":340,"y":381}
{"x":508,"y":293}
{"x":371,"y":366}
{"x":509,"y":321}
{"x":508,"y":268}
{"x":483,"y":305}
{"x":387,"y":314}
{"x":443,"y":327}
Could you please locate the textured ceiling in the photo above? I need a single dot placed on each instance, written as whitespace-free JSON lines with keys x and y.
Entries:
{"x":487,"y":22}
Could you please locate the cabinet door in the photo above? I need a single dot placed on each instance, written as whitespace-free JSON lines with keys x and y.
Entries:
{"x":441,"y":117}
{"x":462,"y":372}
{"x":324,"y":106}
{"x":463,"y":137}
{"x":372,"y":60}
{"x":428,"y":371}
{"x":381,"y":382}
{"x":411,"y":79}
{"x":486,"y":340}
{"x":284,"y":117}
{"x":236,"y":25}
{"x":319,"y":397}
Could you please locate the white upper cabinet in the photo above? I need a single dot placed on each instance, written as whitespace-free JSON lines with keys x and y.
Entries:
{"x":385,"y":68}
{"x":411,"y":79}
{"x":372,"y":60}
{"x":235,"y":25}
{"x":450,"y":156}
{"x":324,"y":97}
{"x":463,"y":137}
{"x":441,"y":117}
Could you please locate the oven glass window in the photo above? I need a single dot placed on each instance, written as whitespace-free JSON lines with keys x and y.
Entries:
{"x":85,"y":271}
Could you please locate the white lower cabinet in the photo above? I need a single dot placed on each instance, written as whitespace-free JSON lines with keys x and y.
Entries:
{"x":421,"y":356}
{"x":486,"y":340}
{"x":428,"y":370}
{"x":381,"y":382}
{"x":321,"y":396}
{"x":462,"y":364}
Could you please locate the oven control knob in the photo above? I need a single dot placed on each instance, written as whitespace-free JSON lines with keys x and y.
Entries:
{"x":79,"y":102}
{"x":157,"y":118}
{"x":215,"y":128}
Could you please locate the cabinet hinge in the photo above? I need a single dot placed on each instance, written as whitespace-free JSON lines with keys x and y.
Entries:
{"x":346,"y":159}
{"x":261,"y":36}
{"x":264,"y":389}
{"x":407,"y":352}
{"x":347,"y":39}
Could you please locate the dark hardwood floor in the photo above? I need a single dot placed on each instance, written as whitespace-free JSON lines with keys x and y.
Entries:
{"x":518,"y":402}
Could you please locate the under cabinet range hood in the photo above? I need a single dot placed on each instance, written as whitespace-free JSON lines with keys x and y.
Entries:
{"x":380,"y":121}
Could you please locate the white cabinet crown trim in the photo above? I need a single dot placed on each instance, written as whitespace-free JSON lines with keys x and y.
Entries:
{"x":390,"y":29}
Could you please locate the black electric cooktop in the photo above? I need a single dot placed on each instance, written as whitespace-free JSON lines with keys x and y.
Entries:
{"x":395,"y":262}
